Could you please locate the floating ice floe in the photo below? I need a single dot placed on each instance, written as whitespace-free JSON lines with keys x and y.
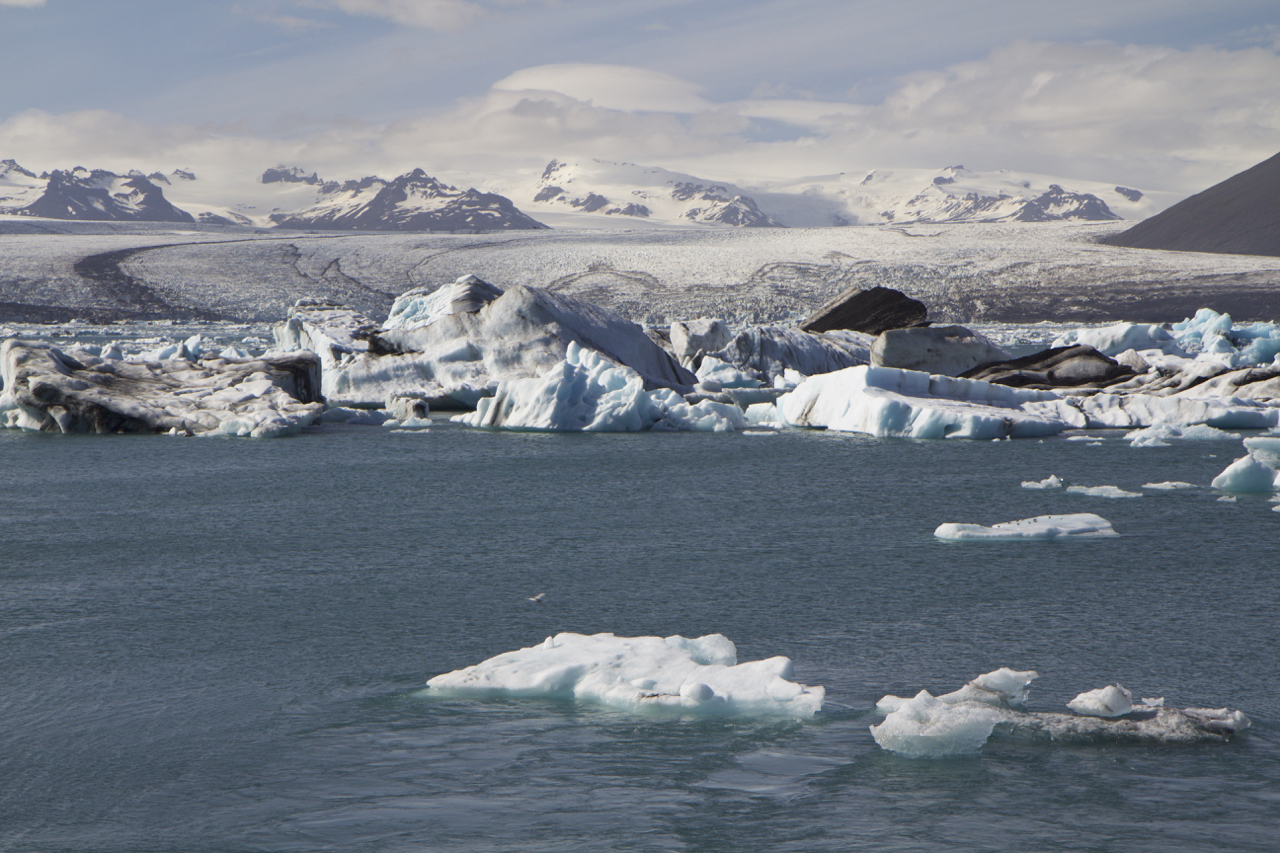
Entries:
{"x":1102,"y":492}
{"x":1161,"y":434}
{"x":959,"y":723}
{"x":641,"y":674}
{"x":887,"y":402}
{"x":1247,"y":474}
{"x":1041,"y":527}
{"x":1169,"y":485}
{"x":1053,"y":481}
{"x":587,"y":392}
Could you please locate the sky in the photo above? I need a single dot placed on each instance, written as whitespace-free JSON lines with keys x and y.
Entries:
{"x":1161,"y":95}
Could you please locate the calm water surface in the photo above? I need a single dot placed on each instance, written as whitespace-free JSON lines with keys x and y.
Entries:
{"x":211,"y":645}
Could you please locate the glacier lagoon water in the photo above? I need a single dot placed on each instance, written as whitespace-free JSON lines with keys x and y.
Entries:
{"x":214,"y":645}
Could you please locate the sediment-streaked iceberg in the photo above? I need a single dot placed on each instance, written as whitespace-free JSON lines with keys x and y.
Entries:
{"x":588,"y":393}
{"x":699,"y":676}
{"x":1040,"y":527}
{"x":887,"y":402}
{"x":455,"y":344}
{"x":47,"y":390}
{"x":959,"y":723}
{"x":768,"y":352}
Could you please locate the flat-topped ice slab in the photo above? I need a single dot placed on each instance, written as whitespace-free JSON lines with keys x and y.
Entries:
{"x":1079,"y":524}
{"x":641,"y":674}
{"x":888,"y":402}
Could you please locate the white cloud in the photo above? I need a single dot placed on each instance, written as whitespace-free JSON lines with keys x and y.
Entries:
{"x":442,"y":15}
{"x":1150,"y":117}
{"x":617,"y":87}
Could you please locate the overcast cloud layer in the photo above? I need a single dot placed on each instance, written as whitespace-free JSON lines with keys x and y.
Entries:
{"x":1157,"y":94}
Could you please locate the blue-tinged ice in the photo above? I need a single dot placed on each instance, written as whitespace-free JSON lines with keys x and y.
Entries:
{"x":1247,"y":474}
{"x":589,"y":393}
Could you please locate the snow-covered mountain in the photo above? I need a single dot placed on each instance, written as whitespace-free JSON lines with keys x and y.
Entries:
{"x":900,"y":196}
{"x":414,"y":201}
{"x":953,"y":194}
{"x":19,"y":187}
{"x":623,"y":189}
{"x":80,"y":193}
{"x":586,"y":193}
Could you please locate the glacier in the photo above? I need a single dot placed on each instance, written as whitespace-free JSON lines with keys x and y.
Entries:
{"x":646,"y":675}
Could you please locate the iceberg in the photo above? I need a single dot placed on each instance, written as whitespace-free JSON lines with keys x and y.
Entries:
{"x":1053,"y":481}
{"x":1247,"y":474}
{"x":1102,"y":492}
{"x":47,"y":390}
{"x":885,"y":402}
{"x":588,"y":393}
{"x":698,"y":677}
{"x":454,"y":345}
{"x":940,"y":350}
{"x":1110,"y":701}
{"x":1113,"y":340}
{"x":1040,"y":527}
{"x":767,"y":352}
{"x":960,"y":723}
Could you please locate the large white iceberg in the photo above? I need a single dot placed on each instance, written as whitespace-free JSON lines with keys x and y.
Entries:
{"x":456,"y":344}
{"x":699,"y":676}
{"x":1040,"y":527}
{"x":588,"y":393}
{"x":886,"y":402}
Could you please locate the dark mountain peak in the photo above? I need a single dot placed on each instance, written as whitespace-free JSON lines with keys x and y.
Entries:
{"x":1239,"y":216}
{"x":552,"y":167}
{"x":184,"y":174}
{"x":287,"y":175}
{"x":104,"y":196}
{"x":158,"y":178}
{"x":11,"y":167}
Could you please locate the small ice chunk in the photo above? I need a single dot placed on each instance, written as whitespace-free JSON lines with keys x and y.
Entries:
{"x":1053,"y":481}
{"x":1040,"y":527}
{"x":1153,"y":703}
{"x":1110,"y":701}
{"x":1169,"y":485}
{"x":926,"y":727}
{"x":1103,"y":492}
{"x":1247,"y":474}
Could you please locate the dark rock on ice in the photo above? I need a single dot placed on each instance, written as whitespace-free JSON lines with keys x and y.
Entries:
{"x":1061,"y":367}
{"x":871,"y":310}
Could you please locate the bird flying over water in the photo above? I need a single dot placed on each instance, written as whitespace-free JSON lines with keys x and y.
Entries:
{"x":538,"y":598}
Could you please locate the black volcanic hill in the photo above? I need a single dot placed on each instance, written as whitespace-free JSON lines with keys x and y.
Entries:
{"x":1240,"y":216}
